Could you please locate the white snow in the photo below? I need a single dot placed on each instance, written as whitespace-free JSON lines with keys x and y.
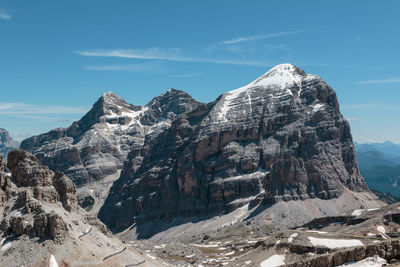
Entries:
{"x":318,"y":232}
{"x":274,"y":261}
{"x":151,"y":256}
{"x":6,"y":246}
{"x":247,"y":262}
{"x":279,"y":79}
{"x":381,"y":229}
{"x":317,"y":107}
{"x":357,"y":212}
{"x":229,"y":253}
{"x":53,"y":262}
{"x":206,"y":246}
{"x":375,"y":261}
{"x":335,"y":243}
{"x":241,"y":212}
{"x":373,"y":209}
{"x":290,"y":239}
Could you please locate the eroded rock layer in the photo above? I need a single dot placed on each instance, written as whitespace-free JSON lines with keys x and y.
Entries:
{"x":282,"y":137}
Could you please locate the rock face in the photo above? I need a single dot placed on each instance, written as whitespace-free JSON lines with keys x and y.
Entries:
{"x":97,"y":145}
{"x":280,"y":138}
{"x":5,"y":183}
{"x":40,"y":219}
{"x":35,"y":187}
{"x":6,"y":142}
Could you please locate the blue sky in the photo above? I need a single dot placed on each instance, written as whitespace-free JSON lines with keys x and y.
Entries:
{"x":58,"y":57}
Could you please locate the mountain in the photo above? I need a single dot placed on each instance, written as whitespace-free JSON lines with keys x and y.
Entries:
{"x":42,"y":225}
{"x":379,"y":164}
{"x":277,"y":147}
{"x":92,"y":150}
{"x":370,"y":159}
{"x":378,"y":154}
{"x":6,"y":142}
{"x":385,"y":179}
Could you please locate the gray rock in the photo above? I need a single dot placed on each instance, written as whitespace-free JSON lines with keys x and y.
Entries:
{"x":97,"y":145}
{"x":6,"y":142}
{"x":280,"y":138}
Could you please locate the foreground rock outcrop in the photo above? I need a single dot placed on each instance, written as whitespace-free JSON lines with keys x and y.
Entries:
{"x":40,"y":219}
{"x":280,"y":138}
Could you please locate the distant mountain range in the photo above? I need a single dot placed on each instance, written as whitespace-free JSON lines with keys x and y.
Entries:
{"x":379,"y":164}
{"x":6,"y":142}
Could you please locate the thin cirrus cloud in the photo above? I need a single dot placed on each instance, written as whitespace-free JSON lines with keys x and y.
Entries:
{"x":4,"y":15}
{"x":173,"y":54}
{"x":397,"y":80}
{"x":185,"y":75}
{"x":21,"y":109}
{"x":124,"y":67}
{"x":259,"y":37}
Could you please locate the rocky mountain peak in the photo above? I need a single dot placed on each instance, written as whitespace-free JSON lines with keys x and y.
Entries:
{"x":279,"y":138}
{"x":4,"y":135}
{"x":281,"y":75}
{"x":6,"y":142}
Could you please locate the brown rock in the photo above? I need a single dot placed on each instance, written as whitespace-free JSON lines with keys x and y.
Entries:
{"x":26,"y":169}
{"x":67,"y":191}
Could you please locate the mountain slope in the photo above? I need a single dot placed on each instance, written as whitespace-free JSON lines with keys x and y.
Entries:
{"x":6,"y":142}
{"x":280,"y":138}
{"x":92,"y":150}
{"x":42,"y":225}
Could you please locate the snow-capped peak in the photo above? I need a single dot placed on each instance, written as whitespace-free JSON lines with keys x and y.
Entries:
{"x":281,"y":75}
{"x":277,"y":81}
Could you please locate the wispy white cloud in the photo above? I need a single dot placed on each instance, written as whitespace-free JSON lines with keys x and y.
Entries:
{"x":125,"y":67}
{"x":172,"y":54}
{"x":184,"y":75}
{"x":4,"y":15}
{"x":395,"y":80}
{"x":21,"y":108}
{"x":258,"y":37}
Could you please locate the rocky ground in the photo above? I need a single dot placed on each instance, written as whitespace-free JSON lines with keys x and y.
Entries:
{"x":371,"y":233}
{"x":42,"y":224}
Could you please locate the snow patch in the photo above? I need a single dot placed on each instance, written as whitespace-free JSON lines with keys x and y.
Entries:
{"x":317,"y":107}
{"x":290,"y":239}
{"x":151,"y":256}
{"x":373,"y":209}
{"x":357,"y":213}
{"x":318,"y":232}
{"x":53,"y":262}
{"x":274,"y":261}
{"x":374,"y":261}
{"x":229,"y":253}
{"x":335,"y":243}
{"x":6,"y":246}
{"x":382,"y":231}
